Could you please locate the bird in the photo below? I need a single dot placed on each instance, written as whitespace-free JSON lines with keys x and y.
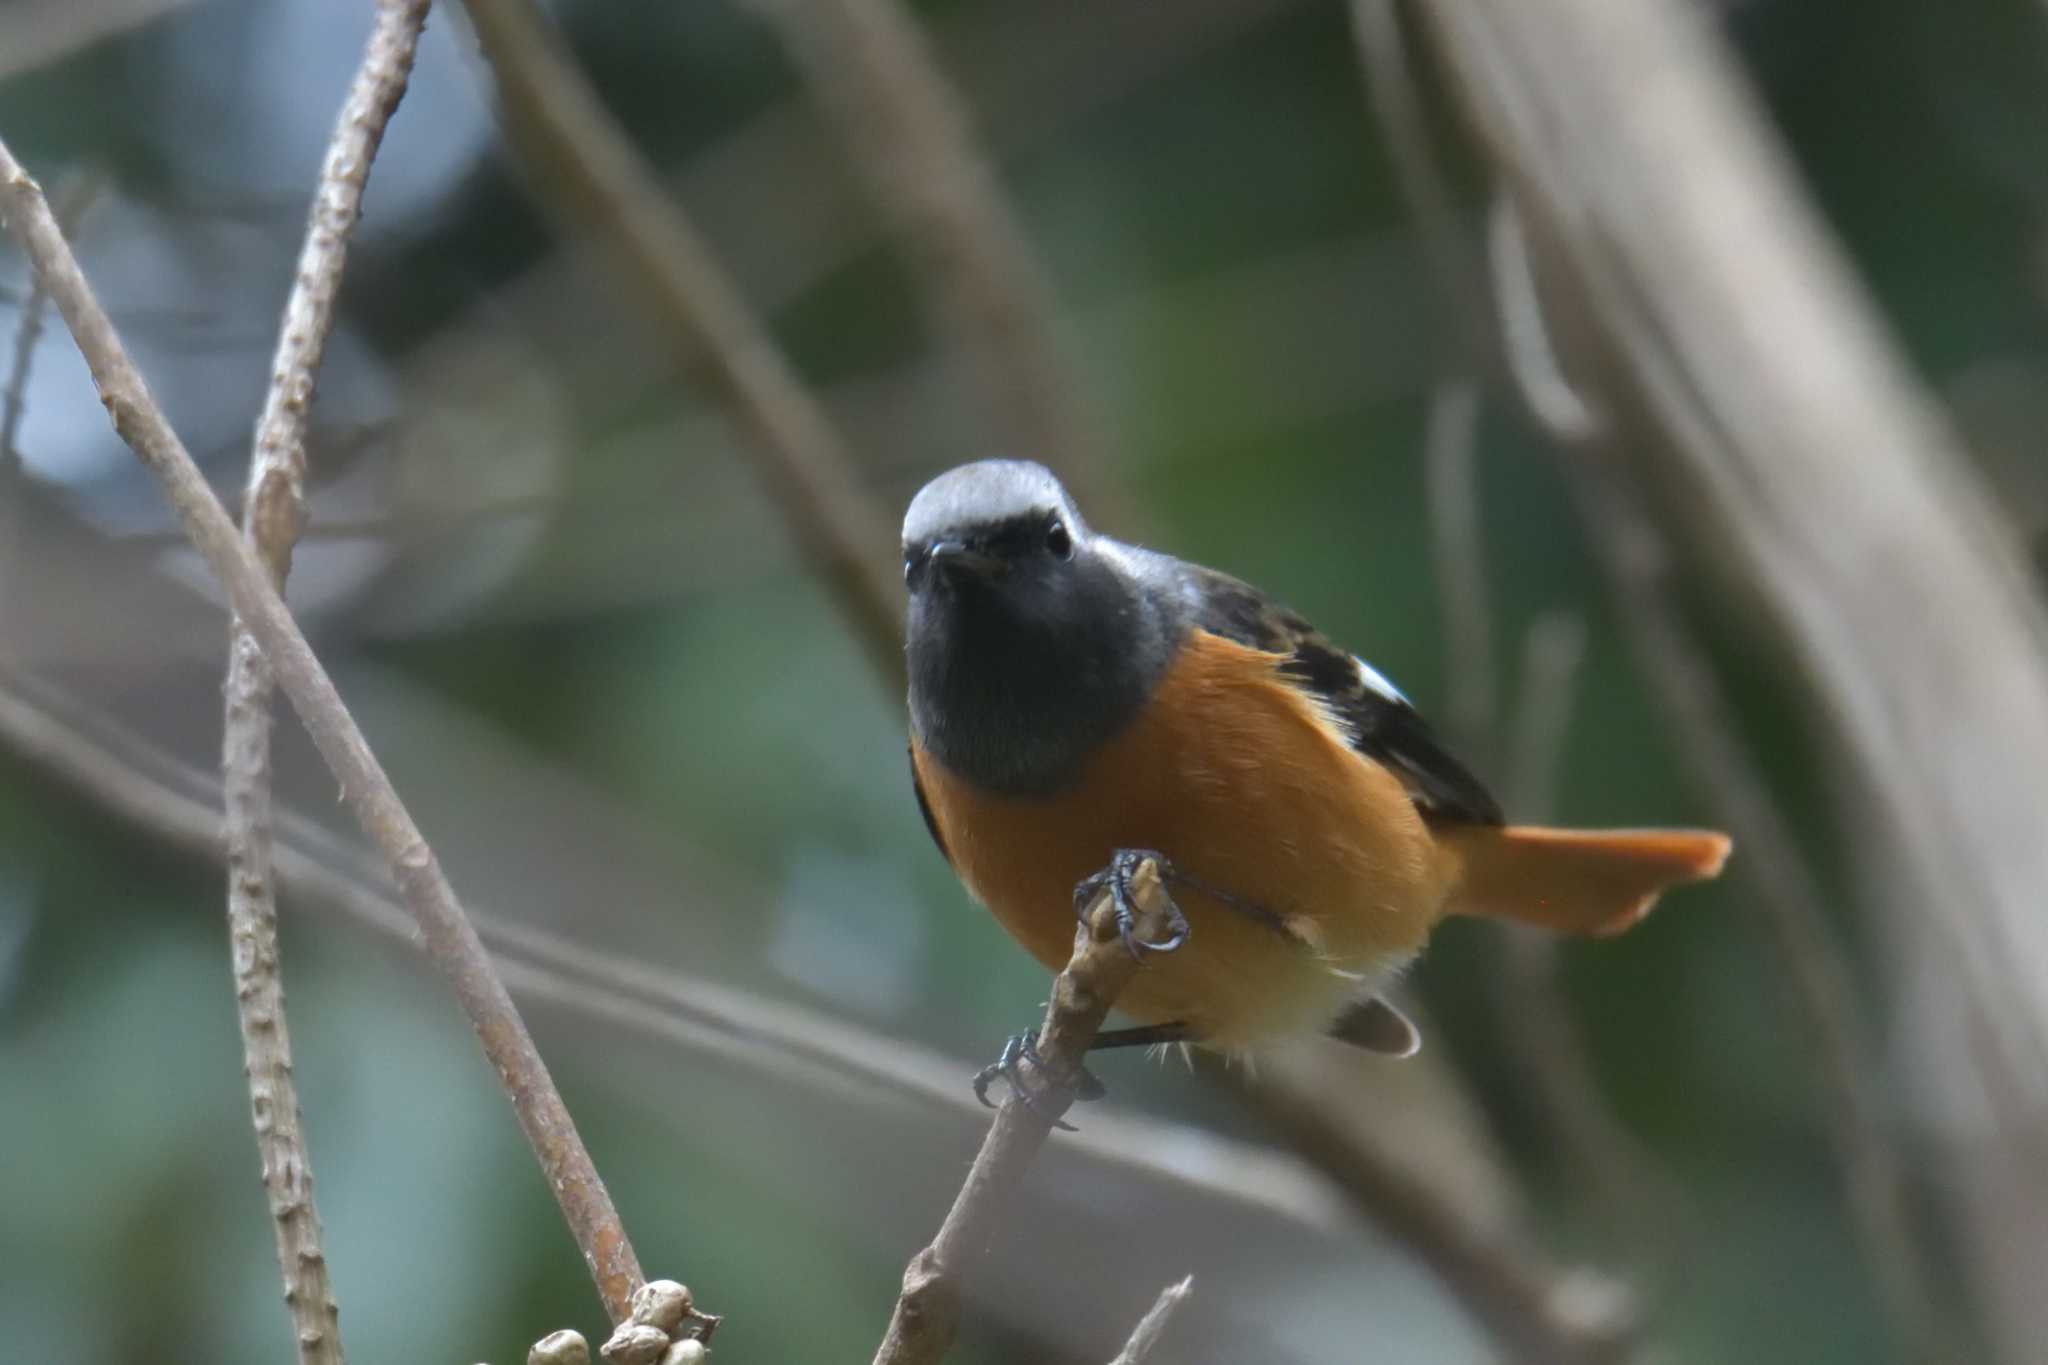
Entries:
{"x":1077,"y":704}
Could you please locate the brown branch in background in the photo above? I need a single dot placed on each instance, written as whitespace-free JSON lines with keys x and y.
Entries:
{"x":1751,"y":376}
{"x":273,"y":513}
{"x":1536,"y":1019}
{"x":1781,"y":882}
{"x":873,"y":70}
{"x":1535,"y":1311}
{"x":1638,"y":1198}
{"x":1145,"y":1336}
{"x":1397,"y":106}
{"x":927,"y":1314}
{"x":451,"y":941}
{"x":584,"y":167}
{"x":135,"y":780}
{"x":1458,"y":556}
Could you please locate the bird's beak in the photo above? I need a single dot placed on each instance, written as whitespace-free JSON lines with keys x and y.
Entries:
{"x":956,"y":557}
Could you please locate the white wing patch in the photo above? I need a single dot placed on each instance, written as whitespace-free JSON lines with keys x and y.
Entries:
{"x":1376,"y":681}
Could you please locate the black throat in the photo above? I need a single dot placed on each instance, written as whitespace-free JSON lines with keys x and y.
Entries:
{"x":1016,"y":680}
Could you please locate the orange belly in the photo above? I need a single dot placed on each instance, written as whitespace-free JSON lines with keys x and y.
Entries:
{"x":1231,"y":774}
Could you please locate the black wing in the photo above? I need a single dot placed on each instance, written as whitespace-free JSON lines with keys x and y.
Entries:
{"x":1380,"y":722}
{"x":924,"y":808}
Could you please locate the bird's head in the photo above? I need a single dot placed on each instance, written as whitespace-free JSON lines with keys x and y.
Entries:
{"x":1029,"y":634}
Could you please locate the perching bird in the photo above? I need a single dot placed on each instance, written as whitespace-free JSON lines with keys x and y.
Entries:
{"x":1072,"y":697}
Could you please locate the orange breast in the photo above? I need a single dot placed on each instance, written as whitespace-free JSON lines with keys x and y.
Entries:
{"x":1231,"y":774}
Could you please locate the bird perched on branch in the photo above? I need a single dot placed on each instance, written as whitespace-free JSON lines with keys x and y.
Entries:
{"x":1077,"y":704}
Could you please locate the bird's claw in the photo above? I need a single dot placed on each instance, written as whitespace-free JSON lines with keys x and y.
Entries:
{"x":1022,"y":1048}
{"x":1123,"y":867}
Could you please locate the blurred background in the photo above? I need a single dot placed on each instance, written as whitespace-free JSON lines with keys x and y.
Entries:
{"x":544,"y":572}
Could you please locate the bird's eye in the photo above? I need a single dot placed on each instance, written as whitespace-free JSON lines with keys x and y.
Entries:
{"x":1059,"y":541}
{"x":911,"y":556}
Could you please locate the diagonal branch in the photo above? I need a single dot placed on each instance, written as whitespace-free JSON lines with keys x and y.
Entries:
{"x":1145,"y":1336}
{"x":910,"y":135}
{"x":587,"y":169}
{"x":273,"y":514}
{"x":451,"y":940}
{"x":1636,"y":557}
{"x":928,"y":1313}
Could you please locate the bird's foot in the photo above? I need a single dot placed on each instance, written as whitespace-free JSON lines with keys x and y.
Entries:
{"x":1123,"y":867}
{"x":1037,"y":1095}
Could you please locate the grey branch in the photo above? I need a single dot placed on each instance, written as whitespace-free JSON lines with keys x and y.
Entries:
{"x":584,"y":167}
{"x":451,"y":941}
{"x":928,"y":1311}
{"x":1784,"y":886}
{"x":1458,"y":559}
{"x":1145,"y":1336}
{"x":873,"y":70}
{"x":273,"y":513}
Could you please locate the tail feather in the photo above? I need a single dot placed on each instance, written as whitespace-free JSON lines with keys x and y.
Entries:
{"x":1573,"y":881}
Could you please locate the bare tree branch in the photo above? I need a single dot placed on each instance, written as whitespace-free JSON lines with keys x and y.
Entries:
{"x":1638,"y":1198}
{"x":1145,"y":1336}
{"x":273,"y":513}
{"x":1553,"y":1064}
{"x":910,"y":133}
{"x":1457,"y":551}
{"x":450,"y":939}
{"x":585,"y":168}
{"x":928,"y":1312}
{"x":1783,"y":884}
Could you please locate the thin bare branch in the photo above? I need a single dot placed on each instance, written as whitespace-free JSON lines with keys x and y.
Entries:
{"x":1781,"y":882}
{"x":1637,"y":1198}
{"x":451,"y":941}
{"x":873,"y":69}
{"x":273,"y":513}
{"x":1377,"y":29}
{"x":1145,"y":1336}
{"x":1457,"y":552}
{"x":928,"y":1312}
{"x":587,"y":170}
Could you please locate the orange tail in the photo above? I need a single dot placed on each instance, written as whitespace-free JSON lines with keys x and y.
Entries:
{"x":1574,"y":881}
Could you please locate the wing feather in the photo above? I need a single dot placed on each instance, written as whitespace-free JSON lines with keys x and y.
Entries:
{"x":1375,"y":717}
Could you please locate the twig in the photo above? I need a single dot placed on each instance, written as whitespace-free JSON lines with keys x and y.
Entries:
{"x":1457,"y":549}
{"x":1145,"y":1336}
{"x":874,"y":71}
{"x":584,"y":166}
{"x":317,"y":872}
{"x":1637,"y":1196}
{"x":1396,"y":102}
{"x":1534,"y":1310}
{"x":273,"y":513}
{"x":1782,"y":883}
{"x":928,"y":1311}
{"x":450,"y":939}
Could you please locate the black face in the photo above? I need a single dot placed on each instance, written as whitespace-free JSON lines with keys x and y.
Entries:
{"x":1029,"y":644}
{"x":1028,"y":545}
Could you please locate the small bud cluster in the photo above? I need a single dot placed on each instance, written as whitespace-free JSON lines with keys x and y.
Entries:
{"x":663,"y":1328}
